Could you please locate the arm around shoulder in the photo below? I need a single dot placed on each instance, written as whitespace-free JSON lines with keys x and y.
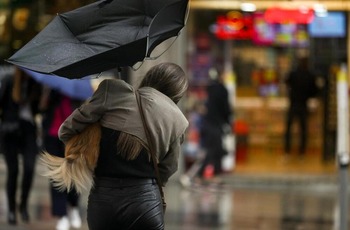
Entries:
{"x":88,"y":113}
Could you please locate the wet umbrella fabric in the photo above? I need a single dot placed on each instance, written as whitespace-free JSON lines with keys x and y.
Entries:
{"x":80,"y":89}
{"x":102,"y":36}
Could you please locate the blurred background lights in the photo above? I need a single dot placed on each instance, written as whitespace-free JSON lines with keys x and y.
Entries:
{"x":248,"y":7}
{"x":320,"y":10}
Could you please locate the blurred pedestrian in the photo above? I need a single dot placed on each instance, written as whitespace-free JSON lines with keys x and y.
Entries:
{"x":19,"y":101}
{"x":214,"y":123}
{"x":193,"y":152}
{"x":301,"y":86}
{"x":55,"y":108}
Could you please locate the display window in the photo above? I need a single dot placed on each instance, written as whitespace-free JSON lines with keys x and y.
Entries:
{"x":260,"y":64}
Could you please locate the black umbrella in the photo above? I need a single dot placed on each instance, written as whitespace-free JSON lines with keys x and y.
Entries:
{"x":102,"y":36}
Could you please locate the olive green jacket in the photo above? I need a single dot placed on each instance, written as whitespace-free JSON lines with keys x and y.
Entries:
{"x":114,"y":105}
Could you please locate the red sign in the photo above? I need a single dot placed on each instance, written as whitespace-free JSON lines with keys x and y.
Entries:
{"x":280,"y":15}
{"x":234,"y":25}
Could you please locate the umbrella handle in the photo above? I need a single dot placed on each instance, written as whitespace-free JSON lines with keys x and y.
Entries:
{"x":119,"y":75}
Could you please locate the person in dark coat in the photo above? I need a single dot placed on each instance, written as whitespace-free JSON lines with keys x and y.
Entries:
{"x":301,"y":85}
{"x":218,"y":114}
{"x":19,"y":106}
{"x":56,"y":107}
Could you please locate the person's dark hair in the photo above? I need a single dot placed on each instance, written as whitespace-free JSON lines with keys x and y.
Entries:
{"x":303,"y":63}
{"x":168,"y":78}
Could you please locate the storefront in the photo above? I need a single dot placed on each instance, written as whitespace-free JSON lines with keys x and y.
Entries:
{"x":262,"y":53}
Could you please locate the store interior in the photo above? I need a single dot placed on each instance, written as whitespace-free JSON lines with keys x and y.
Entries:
{"x":261,"y":54}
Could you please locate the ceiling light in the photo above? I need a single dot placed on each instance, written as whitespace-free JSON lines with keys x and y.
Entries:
{"x":320,"y":10}
{"x":248,"y":7}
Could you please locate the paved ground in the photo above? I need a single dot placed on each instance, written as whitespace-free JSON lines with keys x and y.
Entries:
{"x":248,"y":200}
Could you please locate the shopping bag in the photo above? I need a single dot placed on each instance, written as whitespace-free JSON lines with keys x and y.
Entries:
{"x":228,"y":161}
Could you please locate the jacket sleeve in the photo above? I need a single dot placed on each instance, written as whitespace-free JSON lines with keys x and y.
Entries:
{"x":168,"y":165}
{"x":88,"y":113}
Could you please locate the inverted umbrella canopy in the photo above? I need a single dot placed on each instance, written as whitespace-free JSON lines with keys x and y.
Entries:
{"x":102,"y":36}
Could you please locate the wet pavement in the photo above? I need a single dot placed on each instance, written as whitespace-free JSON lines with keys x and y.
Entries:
{"x":250,"y":209}
{"x":241,"y":203}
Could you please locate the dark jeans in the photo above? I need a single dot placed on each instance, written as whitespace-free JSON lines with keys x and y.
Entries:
{"x":21,"y":142}
{"x":59,"y":199}
{"x":299,"y":114}
{"x":125,"y":204}
{"x":211,"y":137}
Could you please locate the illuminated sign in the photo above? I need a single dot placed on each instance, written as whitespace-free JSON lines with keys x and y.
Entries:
{"x":233,"y":25}
{"x":280,"y":34}
{"x":302,"y":15}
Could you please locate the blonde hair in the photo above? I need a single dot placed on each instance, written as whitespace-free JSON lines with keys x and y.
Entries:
{"x":75,"y":170}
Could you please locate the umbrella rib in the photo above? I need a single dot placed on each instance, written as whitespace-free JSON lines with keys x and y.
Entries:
{"x":86,"y":46}
{"x":75,"y":36}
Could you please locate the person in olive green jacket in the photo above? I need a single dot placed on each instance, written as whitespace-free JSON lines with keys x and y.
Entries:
{"x":124,"y":193}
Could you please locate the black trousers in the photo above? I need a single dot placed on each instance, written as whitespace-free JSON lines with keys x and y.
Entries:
{"x":59,"y":199}
{"x":211,"y":138}
{"x":125,"y":204}
{"x":300,"y":115}
{"x":21,"y":142}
